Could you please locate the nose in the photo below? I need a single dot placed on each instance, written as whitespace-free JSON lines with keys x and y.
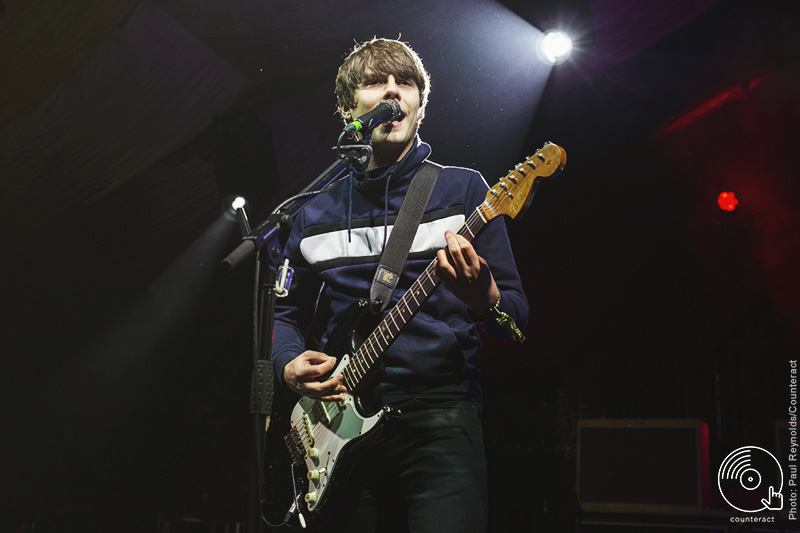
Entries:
{"x":392,"y":90}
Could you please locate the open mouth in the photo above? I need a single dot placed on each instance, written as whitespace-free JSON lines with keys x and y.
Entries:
{"x":399,"y":119}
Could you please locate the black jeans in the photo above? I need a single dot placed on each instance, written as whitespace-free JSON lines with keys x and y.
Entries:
{"x":427,"y":475}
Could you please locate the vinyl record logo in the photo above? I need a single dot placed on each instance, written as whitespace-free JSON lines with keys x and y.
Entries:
{"x":751,"y":479}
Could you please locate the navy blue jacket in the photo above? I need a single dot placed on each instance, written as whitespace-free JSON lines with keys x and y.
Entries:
{"x":437,"y":352}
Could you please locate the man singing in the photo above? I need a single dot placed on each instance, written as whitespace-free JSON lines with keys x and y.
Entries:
{"x":429,"y":472}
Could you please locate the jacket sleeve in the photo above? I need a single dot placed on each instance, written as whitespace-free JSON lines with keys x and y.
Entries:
{"x":294,"y":313}
{"x":493,"y":245}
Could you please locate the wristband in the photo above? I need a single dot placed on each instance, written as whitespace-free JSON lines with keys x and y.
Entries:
{"x":506,"y":322}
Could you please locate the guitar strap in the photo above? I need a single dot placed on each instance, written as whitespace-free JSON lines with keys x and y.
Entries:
{"x":405,"y":227}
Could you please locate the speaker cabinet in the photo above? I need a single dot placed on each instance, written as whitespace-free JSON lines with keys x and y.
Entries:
{"x":643,"y":466}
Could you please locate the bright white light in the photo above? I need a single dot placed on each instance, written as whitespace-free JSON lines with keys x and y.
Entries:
{"x":238,"y":202}
{"x":556,"y":46}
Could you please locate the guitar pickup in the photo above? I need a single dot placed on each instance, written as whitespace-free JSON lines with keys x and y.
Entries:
{"x":332,"y":410}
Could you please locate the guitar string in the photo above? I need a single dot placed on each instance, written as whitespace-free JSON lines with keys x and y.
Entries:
{"x":360,"y":354}
{"x":477,"y":218}
{"x":362,"y":357}
{"x":472,"y":226}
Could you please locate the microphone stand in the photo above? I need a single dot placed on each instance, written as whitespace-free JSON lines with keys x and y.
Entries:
{"x":265,"y":235}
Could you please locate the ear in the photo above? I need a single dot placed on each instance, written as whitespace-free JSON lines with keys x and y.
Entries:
{"x":346,"y":112}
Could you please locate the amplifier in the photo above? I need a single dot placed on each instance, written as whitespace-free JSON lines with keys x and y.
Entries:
{"x":643,"y":466}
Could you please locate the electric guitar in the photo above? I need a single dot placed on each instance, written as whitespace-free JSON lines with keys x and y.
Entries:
{"x":323,"y":435}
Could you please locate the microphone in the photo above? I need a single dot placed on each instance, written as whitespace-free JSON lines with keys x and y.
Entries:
{"x":385,"y":111}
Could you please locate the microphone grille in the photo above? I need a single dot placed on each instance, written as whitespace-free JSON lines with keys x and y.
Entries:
{"x":394,"y":106}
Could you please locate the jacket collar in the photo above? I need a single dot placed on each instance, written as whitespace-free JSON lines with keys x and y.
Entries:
{"x":400,"y":172}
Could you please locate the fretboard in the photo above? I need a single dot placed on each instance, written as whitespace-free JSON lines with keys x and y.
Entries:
{"x":368,"y":354}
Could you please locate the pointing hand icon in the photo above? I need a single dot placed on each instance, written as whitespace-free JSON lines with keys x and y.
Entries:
{"x":775,"y":501}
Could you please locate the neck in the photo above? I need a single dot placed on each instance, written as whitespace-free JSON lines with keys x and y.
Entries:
{"x":383,"y":156}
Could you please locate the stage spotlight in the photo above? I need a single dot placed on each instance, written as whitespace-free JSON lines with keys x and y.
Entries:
{"x":555,"y":47}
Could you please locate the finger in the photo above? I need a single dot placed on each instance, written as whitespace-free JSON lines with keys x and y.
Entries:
{"x":316,"y":388}
{"x":469,"y":253}
{"x":467,"y":262}
{"x":313,"y":357}
{"x":454,"y":247}
{"x":328,"y":365}
{"x":334,"y":398}
{"x":443,"y":265}
{"x":314,"y":370}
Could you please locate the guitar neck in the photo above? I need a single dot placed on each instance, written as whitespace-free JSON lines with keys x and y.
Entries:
{"x":367,"y":356}
{"x":510,"y":196}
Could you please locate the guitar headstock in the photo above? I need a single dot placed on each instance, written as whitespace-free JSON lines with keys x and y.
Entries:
{"x":512,"y":194}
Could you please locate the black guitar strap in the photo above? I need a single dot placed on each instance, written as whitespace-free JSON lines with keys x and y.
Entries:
{"x":405,"y":228}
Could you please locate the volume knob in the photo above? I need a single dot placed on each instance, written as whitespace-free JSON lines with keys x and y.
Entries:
{"x":311,"y":497}
{"x":313,"y":475}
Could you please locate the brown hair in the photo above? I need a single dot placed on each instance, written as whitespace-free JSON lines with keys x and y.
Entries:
{"x":384,"y":56}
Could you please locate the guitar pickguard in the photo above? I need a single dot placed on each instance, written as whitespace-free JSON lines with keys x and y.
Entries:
{"x":325,"y":432}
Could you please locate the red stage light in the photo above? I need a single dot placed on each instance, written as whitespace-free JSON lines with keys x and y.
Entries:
{"x":727,"y":201}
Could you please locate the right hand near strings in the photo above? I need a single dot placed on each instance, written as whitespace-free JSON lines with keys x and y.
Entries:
{"x":302,"y":375}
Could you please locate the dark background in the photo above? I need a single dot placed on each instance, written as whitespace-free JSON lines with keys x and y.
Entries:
{"x":125,"y":356}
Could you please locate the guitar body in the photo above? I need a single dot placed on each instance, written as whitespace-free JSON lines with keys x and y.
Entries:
{"x":324,"y":434}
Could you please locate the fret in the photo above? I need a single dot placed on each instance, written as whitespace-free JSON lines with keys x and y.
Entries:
{"x":403,"y":318}
{"x":376,"y":342}
{"x":470,"y":231}
{"x":433,"y":283}
{"x":376,"y":334}
{"x":481,"y":215}
{"x":415,"y":298}
{"x":380,"y":330}
{"x":385,"y":327}
{"x":374,"y":351}
{"x":400,"y":317}
{"x":474,"y":224}
{"x":395,"y":323}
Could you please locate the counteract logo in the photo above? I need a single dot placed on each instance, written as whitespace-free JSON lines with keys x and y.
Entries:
{"x":751,"y":480}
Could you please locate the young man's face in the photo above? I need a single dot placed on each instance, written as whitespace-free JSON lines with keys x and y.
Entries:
{"x":389,"y":137}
